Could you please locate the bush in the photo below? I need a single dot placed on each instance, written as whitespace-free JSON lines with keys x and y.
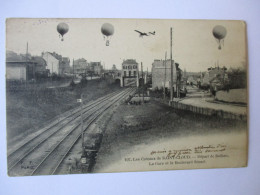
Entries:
{"x":237,"y":79}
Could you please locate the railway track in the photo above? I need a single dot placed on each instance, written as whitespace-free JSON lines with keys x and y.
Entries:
{"x":71,"y":113}
{"x":13,"y":157}
{"x":44,"y":153}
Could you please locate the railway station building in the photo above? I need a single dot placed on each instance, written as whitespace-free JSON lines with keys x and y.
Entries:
{"x":130,"y":73}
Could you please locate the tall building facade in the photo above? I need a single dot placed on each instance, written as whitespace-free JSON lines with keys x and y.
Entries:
{"x":53,"y":61}
{"x":64,"y":66}
{"x":130,"y":73}
{"x":129,"y":68}
{"x":96,"y":67}
{"x":80,"y":66}
{"x":161,"y":74}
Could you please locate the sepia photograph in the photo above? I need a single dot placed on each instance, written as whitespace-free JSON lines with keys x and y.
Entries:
{"x":125,"y":95}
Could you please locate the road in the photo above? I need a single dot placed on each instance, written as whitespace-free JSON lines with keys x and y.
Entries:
{"x":197,"y":97}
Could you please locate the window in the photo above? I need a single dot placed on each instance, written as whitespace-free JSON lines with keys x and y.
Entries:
{"x":134,"y":73}
{"x":130,"y":73}
{"x":129,"y":67}
{"x":124,"y":73}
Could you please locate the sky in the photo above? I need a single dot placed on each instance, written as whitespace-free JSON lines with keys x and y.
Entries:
{"x":194,"y":46}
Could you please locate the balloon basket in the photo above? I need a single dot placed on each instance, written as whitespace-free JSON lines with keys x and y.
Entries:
{"x":107,"y":43}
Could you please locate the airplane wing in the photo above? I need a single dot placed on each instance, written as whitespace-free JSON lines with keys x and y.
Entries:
{"x":138,"y":31}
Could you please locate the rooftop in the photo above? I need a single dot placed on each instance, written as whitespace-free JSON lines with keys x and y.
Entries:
{"x":130,"y":61}
{"x":39,"y":60}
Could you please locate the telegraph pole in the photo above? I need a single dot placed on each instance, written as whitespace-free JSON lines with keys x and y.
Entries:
{"x":73,"y":68}
{"x":27,"y":66}
{"x":165,"y":64}
{"x":171,"y":87}
{"x":177,"y":81}
{"x":81,"y":121}
{"x":143,"y":80}
{"x":52,"y":74}
{"x":83,"y":155}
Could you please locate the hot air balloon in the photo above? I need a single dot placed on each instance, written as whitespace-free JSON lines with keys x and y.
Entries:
{"x":62,"y":28}
{"x":107,"y":31}
{"x":219,"y":32}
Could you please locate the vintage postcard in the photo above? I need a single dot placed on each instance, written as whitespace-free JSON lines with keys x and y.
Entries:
{"x":113,"y":95}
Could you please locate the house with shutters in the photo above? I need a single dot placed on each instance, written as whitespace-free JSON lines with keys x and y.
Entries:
{"x":56,"y":64}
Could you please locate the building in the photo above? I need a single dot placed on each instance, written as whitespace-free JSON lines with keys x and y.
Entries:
{"x":52,"y":62}
{"x":114,"y":72}
{"x":217,"y":71}
{"x":56,"y":64}
{"x":64,"y":66}
{"x":205,"y":79}
{"x":161,"y":74}
{"x":215,"y":78}
{"x":41,"y":64}
{"x":193,"y":79}
{"x":161,"y":77}
{"x":96,"y":67}
{"x":114,"y":67}
{"x":130,"y":73}
{"x":80,"y":66}
{"x":130,"y":68}
{"x":19,"y":67}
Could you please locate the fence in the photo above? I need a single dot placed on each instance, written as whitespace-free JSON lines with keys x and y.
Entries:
{"x":208,"y":111}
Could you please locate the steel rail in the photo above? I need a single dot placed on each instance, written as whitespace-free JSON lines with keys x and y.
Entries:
{"x":21,"y":157}
{"x":79,"y":134}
